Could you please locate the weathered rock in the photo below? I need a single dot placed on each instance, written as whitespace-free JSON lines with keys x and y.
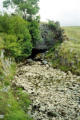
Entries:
{"x":49,"y":35}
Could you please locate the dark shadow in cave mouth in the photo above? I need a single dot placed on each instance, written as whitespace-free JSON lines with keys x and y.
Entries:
{"x":36,"y":51}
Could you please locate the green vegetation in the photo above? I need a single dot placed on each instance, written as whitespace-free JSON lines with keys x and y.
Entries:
{"x":10,"y":108}
{"x":16,"y":37}
{"x":18,"y":33}
{"x":35,"y":32}
{"x":73,"y":33}
{"x":14,"y":101}
{"x":27,"y":8}
{"x":66,"y":56}
{"x":23,"y":98}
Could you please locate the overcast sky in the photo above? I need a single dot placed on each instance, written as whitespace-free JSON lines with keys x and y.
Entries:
{"x":65,"y":11}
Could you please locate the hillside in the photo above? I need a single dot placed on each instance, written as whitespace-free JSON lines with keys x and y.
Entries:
{"x":73,"y":33}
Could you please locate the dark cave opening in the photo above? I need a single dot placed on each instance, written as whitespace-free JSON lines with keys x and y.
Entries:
{"x":36,"y":51}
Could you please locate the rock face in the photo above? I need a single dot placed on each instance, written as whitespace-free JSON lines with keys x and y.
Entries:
{"x":55,"y":94}
{"x":50,"y":34}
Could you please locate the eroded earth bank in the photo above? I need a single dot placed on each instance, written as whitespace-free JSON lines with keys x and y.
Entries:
{"x":55,"y":95}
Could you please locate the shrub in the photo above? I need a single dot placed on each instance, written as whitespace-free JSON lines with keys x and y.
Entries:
{"x":16,"y":36}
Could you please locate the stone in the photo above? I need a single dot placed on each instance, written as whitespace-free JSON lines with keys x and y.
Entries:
{"x":42,"y":108}
{"x":47,"y":66}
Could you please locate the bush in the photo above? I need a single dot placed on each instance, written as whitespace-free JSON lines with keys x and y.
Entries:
{"x":15,"y":42}
{"x":11,"y":46}
{"x":16,"y":36}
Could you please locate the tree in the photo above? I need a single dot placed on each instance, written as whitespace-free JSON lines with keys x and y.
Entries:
{"x":28,"y":8}
{"x":15,"y":34}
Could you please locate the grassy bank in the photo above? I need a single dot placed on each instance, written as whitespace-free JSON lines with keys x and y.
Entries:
{"x":66,"y":56}
{"x":13,"y":101}
{"x":73,"y":33}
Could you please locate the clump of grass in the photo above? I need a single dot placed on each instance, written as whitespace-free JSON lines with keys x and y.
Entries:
{"x":23,"y":98}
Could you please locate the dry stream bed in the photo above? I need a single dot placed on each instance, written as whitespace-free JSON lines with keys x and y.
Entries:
{"x":55,"y":94}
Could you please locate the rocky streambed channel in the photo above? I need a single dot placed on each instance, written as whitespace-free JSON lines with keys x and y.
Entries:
{"x":55,"y":95}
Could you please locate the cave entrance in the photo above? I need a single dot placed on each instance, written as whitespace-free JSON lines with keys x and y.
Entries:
{"x":37,"y":51}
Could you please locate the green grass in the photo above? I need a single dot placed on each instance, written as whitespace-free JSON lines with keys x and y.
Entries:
{"x":73,"y":33}
{"x":10,"y":107}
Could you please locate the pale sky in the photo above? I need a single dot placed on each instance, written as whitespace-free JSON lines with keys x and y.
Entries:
{"x":67,"y":12}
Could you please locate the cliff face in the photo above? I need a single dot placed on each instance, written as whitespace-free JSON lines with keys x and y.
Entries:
{"x":50,"y":34}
